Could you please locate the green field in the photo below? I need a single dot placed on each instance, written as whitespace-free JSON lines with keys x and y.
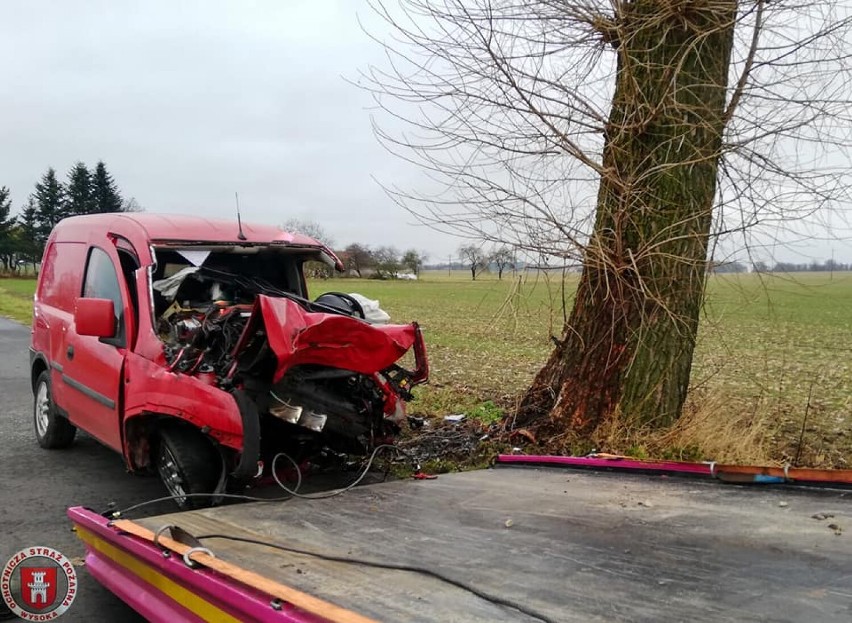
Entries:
{"x":766,"y":344}
{"x":16,"y":299}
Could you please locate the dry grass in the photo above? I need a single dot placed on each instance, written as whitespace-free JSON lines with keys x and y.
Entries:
{"x":710,"y":429}
{"x":718,"y":427}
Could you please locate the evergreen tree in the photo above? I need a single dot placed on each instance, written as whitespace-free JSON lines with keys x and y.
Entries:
{"x":30,"y":242}
{"x":79,"y":189}
{"x":50,"y":204}
{"x":104,"y":191}
{"x":7,"y":222}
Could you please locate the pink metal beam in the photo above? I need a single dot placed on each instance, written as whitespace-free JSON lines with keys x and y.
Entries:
{"x":241,"y":602}
{"x":726,"y":473}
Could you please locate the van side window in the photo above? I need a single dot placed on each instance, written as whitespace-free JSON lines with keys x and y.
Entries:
{"x":101,"y":282}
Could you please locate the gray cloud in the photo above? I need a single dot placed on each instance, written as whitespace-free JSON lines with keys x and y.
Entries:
{"x":188,"y":102}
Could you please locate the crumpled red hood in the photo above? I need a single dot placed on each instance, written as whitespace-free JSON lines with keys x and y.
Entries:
{"x":299,"y":337}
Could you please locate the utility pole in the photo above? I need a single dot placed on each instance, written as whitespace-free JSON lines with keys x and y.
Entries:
{"x":449,"y":266}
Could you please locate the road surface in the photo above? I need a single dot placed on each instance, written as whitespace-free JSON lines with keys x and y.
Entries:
{"x":36,"y":485}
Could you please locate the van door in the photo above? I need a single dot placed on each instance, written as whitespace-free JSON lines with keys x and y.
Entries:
{"x":93,"y":367}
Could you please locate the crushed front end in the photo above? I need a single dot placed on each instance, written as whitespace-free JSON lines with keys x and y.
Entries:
{"x":331,"y":376}
{"x":308,"y":378}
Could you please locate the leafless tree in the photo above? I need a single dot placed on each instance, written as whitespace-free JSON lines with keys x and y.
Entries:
{"x":358,"y":257}
{"x":132,"y":205}
{"x":308,"y":228}
{"x":629,"y":136}
{"x":474,"y":258}
{"x":312,"y":229}
{"x":502,"y":258}
{"x":386,"y":262}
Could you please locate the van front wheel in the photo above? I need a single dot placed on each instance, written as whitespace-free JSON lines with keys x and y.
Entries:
{"x":188,"y":465}
{"x":52,"y":430}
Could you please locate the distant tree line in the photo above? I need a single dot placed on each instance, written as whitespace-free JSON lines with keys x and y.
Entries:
{"x":478,"y":260}
{"x":23,"y":235}
{"x":387,"y":262}
{"x":780,"y":267}
{"x":360,"y":260}
{"x":383,"y":262}
{"x":809,"y":267}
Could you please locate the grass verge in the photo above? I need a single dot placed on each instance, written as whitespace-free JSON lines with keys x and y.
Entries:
{"x":771,"y":376}
{"x":16,"y":299}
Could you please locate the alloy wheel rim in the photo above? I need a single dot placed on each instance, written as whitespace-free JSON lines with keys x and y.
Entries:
{"x":42,"y":410}
{"x":170,"y":475}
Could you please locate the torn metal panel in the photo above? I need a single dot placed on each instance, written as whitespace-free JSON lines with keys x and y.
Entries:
{"x":299,"y":337}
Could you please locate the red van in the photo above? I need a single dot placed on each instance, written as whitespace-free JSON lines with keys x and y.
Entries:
{"x":191,"y":347}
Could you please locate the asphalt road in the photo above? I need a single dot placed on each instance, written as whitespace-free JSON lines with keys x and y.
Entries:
{"x":37,"y":486}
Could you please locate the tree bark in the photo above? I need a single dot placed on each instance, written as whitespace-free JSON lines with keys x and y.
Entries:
{"x":627,"y":348}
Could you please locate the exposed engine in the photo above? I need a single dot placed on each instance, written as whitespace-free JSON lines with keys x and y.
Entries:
{"x":202,"y":342}
{"x":349,"y":408}
{"x":220,"y":342}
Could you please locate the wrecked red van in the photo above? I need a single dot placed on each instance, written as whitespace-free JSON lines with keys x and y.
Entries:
{"x":190,"y":346}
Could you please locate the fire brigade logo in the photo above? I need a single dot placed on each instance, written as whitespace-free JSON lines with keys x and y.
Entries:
{"x":38,"y":584}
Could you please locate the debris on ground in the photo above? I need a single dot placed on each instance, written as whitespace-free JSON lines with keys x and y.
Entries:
{"x":416,"y":422}
{"x":523,"y":432}
{"x":449,"y":443}
{"x":822,"y":516}
{"x":440,"y":442}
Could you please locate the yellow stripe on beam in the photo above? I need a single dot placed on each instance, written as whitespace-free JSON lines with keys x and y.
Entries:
{"x":148,"y":574}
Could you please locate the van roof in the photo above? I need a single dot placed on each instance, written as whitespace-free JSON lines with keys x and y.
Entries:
{"x":180,"y":228}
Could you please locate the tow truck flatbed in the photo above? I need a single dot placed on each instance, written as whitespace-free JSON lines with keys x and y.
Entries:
{"x":515,"y":543}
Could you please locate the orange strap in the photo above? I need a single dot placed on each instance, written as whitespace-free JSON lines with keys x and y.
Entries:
{"x":308,"y":603}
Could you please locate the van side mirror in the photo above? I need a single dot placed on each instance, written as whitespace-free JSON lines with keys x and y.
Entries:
{"x":95,"y":317}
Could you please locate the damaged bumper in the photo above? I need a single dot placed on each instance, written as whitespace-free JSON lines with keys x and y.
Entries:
{"x":298,"y":337}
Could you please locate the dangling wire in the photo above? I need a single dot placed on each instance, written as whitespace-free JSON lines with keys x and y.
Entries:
{"x":291,"y":493}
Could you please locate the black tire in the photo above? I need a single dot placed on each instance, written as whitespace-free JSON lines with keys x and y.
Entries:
{"x":52,"y":430}
{"x":187,"y":463}
{"x":342,"y":302}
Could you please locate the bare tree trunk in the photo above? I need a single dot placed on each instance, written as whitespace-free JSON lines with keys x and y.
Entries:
{"x":627,"y":348}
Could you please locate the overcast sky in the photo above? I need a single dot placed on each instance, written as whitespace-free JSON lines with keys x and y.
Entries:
{"x":188,"y":102}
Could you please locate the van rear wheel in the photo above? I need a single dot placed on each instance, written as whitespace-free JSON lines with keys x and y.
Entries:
{"x":188,"y":465}
{"x":52,"y":430}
